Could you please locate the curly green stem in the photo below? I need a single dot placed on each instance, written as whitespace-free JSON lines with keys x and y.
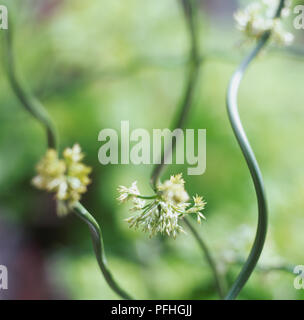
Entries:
{"x":252,"y":164}
{"x":97,"y":240}
{"x":29,"y":102}
{"x":37,"y":111}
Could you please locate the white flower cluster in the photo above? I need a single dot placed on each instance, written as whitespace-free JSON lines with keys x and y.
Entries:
{"x":67,"y":178}
{"x":164,"y":210}
{"x":259,"y":17}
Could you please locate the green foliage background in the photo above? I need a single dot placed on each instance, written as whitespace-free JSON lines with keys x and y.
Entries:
{"x":95,"y":63}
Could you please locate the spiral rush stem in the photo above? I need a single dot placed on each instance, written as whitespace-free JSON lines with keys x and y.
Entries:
{"x":27,"y":100}
{"x":232,"y":108}
{"x":32,"y":105}
{"x":97,"y":240}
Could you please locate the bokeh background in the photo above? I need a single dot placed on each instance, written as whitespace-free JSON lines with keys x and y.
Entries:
{"x":95,"y":63}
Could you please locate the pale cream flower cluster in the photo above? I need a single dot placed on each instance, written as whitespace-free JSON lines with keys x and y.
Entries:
{"x":162,"y":212}
{"x":67,"y":178}
{"x":258,"y":17}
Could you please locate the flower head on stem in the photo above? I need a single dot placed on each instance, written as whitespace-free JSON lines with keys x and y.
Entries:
{"x":161,"y":212}
{"x":67,"y":178}
{"x":260,"y":16}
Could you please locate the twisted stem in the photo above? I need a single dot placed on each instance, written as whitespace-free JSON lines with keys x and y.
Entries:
{"x":98,"y":246}
{"x":28,"y":101}
{"x":252,"y":164}
{"x":32,"y":105}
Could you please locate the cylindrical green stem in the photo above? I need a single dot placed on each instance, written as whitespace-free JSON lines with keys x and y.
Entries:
{"x":29,"y":102}
{"x":252,"y":164}
{"x":37,"y":111}
{"x":147,"y":197}
{"x":217,"y":276}
{"x":96,"y":234}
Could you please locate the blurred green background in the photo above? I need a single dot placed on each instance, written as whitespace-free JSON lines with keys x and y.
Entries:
{"x":95,"y":63}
